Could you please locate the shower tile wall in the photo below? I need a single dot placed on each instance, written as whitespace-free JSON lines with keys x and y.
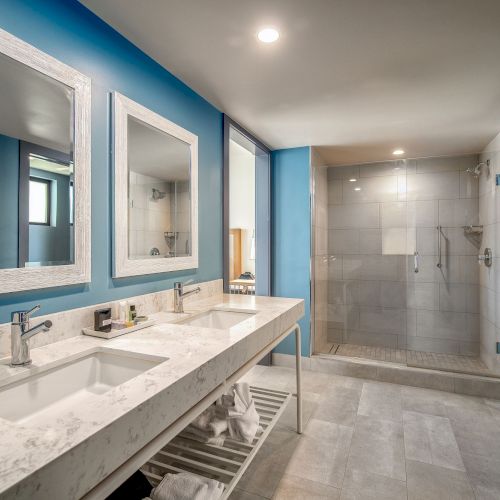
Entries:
{"x":375,"y":224}
{"x":148,"y":218}
{"x":489,"y":277}
{"x":180,"y":205}
{"x":320,"y":256}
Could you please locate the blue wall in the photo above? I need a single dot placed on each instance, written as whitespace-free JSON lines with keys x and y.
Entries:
{"x":72,"y":34}
{"x":9,"y":188}
{"x":292,"y":234}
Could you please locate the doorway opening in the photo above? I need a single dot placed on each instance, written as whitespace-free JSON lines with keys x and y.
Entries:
{"x":247,"y":207}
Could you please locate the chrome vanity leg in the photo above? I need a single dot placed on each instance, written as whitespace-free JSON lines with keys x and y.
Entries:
{"x":298,"y":356}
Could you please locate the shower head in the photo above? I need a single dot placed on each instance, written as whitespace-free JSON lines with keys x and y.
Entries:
{"x":158,"y":195}
{"x":476,"y":171}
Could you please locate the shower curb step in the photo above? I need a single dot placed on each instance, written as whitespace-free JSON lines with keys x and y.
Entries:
{"x":384,"y":371}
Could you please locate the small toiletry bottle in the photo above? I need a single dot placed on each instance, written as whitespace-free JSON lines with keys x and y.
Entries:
{"x":132,"y":313}
{"x":123,"y":310}
{"x":102,"y":320}
{"x":115,"y":311}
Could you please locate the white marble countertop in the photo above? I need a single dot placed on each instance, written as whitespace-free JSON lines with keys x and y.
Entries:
{"x":67,"y":457}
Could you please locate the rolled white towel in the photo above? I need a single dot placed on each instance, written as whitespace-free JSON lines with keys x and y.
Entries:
{"x":243,"y":419}
{"x":187,"y":486}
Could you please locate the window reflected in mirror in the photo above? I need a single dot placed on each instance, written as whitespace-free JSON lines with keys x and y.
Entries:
{"x":49,"y":240}
{"x":39,"y":202}
{"x":159,"y":193}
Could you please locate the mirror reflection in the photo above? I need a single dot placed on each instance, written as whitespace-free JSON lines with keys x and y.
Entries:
{"x":36,"y":167}
{"x":159,"y":193}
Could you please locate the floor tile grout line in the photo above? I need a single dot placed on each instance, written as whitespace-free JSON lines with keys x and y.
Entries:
{"x":404,"y":440}
{"x":352,"y":435}
{"x":471,"y":484}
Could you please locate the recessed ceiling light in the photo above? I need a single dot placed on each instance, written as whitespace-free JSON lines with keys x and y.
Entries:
{"x":353,"y":180}
{"x":268,"y":35}
{"x":398,"y":152}
{"x":357,"y":189}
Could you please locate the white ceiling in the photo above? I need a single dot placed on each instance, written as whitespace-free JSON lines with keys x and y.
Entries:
{"x":35,"y":107}
{"x":356,"y":77}
{"x":51,"y":166}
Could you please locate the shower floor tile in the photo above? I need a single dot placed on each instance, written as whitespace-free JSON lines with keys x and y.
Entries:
{"x":417,"y":359}
{"x":371,"y":352}
{"x":447,"y":362}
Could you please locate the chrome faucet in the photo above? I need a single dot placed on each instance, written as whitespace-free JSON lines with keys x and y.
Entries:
{"x":20,"y":332}
{"x":179,"y":295}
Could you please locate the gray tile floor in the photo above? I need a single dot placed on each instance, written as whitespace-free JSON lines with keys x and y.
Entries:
{"x":371,"y":440}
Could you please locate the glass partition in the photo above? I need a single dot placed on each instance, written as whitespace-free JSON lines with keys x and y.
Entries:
{"x":396,"y":276}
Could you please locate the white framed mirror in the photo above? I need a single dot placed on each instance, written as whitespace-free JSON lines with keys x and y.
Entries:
{"x":45,"y":170}
{"x":156,"y":192}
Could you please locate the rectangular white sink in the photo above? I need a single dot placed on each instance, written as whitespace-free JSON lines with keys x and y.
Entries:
{"x":218,"y":319}
{"x":45,"y":395}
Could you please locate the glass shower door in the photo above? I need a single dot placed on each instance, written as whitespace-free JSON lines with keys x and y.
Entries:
{"x":443,"y":275}
{"x":366,"y":250}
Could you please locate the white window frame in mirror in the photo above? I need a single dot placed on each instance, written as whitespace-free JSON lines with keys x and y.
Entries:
{"x":123,"y":265}
{"x":31,"y":278}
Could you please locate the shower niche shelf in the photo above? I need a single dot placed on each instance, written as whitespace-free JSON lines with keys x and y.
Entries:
{"x":473,"y":229}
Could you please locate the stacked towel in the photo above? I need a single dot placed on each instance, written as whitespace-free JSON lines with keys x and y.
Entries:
{"x":187,"y":486}
{"x":209,"y":427}
{"x":233,"y":414}
{"x":242,"y":417}
{"x":202,"y":437}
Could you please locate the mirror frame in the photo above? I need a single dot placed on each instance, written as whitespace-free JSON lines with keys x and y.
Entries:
{"x":30,"y":278}
{"x":123,"y":265}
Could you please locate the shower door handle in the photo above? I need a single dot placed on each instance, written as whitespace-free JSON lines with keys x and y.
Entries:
{"x":415,"y":261}
{"x":439,"y":263}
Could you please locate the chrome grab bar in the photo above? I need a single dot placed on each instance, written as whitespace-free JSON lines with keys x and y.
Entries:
{"x":415,"y":261}
{"x":439,"y":264}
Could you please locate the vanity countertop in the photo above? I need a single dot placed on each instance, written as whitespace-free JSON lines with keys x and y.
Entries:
{"x":68,"y":456}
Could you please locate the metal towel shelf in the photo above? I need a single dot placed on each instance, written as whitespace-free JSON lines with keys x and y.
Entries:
{"x":225,"y":463}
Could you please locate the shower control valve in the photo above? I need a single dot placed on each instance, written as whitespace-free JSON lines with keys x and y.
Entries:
{"x":487,"y":257}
